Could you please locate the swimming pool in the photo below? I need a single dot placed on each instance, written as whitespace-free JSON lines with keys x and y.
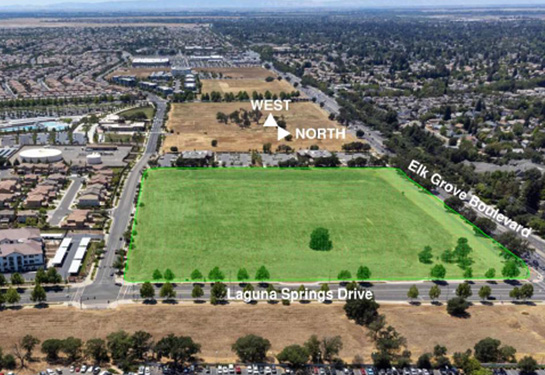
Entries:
{"x":47,"y":125}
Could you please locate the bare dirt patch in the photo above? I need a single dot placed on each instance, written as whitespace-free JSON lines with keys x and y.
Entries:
{"x":138,"y":72}
{"x":195,"y":125}
{"x":254,"y":72}
{"x":248,"y":85}
{"x":217,"y":327}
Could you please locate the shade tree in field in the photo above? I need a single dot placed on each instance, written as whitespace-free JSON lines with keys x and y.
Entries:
{"x":319,"y":240}
{"x":196,"y":275}
{"x":243,"y":275}
{"x":426,"y":256}
{"x":216,"y":274}
{"x":438,"y":272}
{"x":262,"y":274}
{"x":363,"y":273}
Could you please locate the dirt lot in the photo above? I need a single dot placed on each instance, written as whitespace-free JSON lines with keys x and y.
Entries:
{"x":138,"y":72}
{"x":248,"y":85}
{"x":217,"y":327}
{"x":238,"y":73}
{"x":195,"y":126}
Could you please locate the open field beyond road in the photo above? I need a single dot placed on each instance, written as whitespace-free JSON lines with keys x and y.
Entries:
{"x":237,"y":73}
{"x":249,"y":85}
{"x":217,"y":327}
{"x":249,"y":217}
{"x":195,"y":125}
{"x":137,"y":72}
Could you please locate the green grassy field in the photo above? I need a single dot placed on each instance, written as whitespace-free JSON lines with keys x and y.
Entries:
{"x":233,"y":218}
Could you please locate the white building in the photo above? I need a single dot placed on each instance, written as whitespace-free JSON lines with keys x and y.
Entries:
{"x":21,"y":250}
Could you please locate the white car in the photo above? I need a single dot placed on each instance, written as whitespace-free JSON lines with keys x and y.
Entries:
{"x":141,"y":370}
{"x":231,"y":369}
{"x":89,"y":370}
{"x":83,"y":369}
{"x":147,"y":371}
{"x":220,"y":371}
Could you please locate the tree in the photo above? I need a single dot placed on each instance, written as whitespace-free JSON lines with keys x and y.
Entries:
{"x":319,"y":240}
{"x":434,"y":292}
{"x":344,"y":275}
{"x":515,"y":293}
{"x":197,"y":292}
{"x":455,"y":203}
{"x":157,"y":275}
{"x":262,"y":274}
{"x":41,"y":276}
{"x":141,"y":344}
{"x":490,"y":274}
{"x":331,"y":346}
{"x":510,"y":269}
{"x":17,"y":279}
{"x":295,"y":355}
{"x":527,"y":365}
{"x":485,"y":292}
{"x":3,"y":280}
{"x":167,"y":291}
{"x":96,"y":350}
{"x":119,"y":344}
{"x":12,"y":297}
{"x":242,"y":275}
{"x":426,"y":256}
{"x":38,"y":294}
{"x":28,"y":343}
{"x":424,"y":361}
{"x":72,"y":347}
{"x":488,"y":350}
{"x":486,"y":225}
{"x":364,"y":273}
{"x":438,"y":272}
{"x":464,"y":290}
{"x":196,"y":275}
{"x":218,"y":293}
{"x":180,"y":349}
{"x":468,"y":273}
{"x":457,"y":306}
{"x":168,"y":275}
{"x":413,"y":292}
{"x":215,"y":274}
{"x":362,"y":310}
{"x":147,"y":291}
{"x":52,"y":276}
{"x":527,"y":291}
{"x":313,"y":348}
{"x":51,"y":349}
{"x":252,"y":348}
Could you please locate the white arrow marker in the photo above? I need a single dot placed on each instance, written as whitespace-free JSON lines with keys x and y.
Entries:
{"x":270,"y":122}
{"x":282,"y":133}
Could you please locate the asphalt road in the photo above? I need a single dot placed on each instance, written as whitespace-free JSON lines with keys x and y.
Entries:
{"x":103,"y":289}
{"x":102,"y":294}
{"x":63,"y":209}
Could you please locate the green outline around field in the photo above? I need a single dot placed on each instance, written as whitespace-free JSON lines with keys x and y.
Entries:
{"x":230,"y":274}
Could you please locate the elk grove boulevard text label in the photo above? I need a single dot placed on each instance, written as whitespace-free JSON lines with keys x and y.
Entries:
{"x":474,"y":201}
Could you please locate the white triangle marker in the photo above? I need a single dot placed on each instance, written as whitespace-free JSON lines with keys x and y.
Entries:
{"x":270,"y":122}
{"x":282,"y":133}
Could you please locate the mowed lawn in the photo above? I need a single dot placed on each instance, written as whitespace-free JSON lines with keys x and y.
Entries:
{"x":233,"y":218}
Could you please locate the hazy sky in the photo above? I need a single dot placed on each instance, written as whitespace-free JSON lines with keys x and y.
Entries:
{"x":373,"y":3}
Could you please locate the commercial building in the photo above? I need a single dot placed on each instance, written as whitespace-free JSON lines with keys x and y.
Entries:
{"x":21,"y":250}
{"x":146,"y":62}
